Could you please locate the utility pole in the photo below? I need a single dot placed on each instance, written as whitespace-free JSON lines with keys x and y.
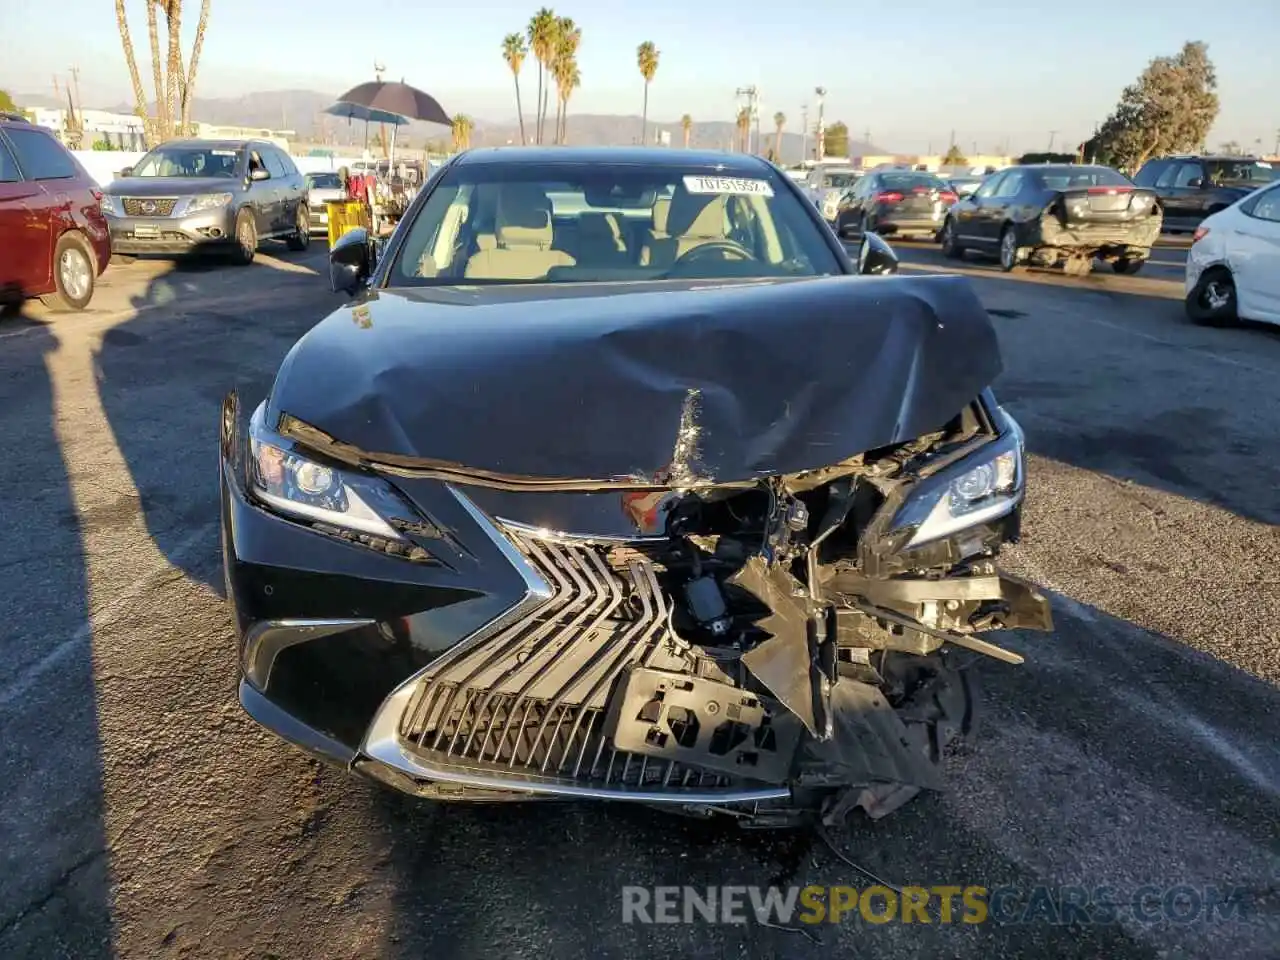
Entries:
{"x":821,"y":93}
{"x":1052,"y":134}
{"x":804,"y":133}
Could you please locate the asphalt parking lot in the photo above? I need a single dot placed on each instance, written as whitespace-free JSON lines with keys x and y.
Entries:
{"x":144,"y":816}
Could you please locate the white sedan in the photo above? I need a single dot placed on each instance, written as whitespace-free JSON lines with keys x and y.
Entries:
{"x":1233,"y":267}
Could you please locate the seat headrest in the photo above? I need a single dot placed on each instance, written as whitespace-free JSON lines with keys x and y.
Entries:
{"x":696,"y":215}
{"x":661,"y":213}
{"x":523,"y":216}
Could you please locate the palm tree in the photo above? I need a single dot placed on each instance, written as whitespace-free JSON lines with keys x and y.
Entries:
{"x":173,"y":76}
{"x":139,"y":95}
{"x":542,"y":40}
{"x":744,"y":129}
{"x":462,"y":126}
{"x":514,"y":51}
{"x":564,"y":63}
{"x":568,"y":82}
{"x":189,"y":84}
{"x":157,"y":68}
{"x":647,"y":60}
{"x":686,"y":124}
{"x":779,"y":121}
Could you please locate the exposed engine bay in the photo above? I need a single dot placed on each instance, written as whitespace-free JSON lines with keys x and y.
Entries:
{"x":776,"y":633}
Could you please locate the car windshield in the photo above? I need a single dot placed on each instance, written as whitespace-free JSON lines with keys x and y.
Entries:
{"x":911,"y":181}
{"x":1240,"y":171}
{"x":841,"y":181}
{"x":323,"y":181}
{"x":182,"y":161}
{"x":573,"y":222}
{"x":1073,"y":178}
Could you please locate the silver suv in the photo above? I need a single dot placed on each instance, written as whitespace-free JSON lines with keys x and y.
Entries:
{"x":198,"y":196}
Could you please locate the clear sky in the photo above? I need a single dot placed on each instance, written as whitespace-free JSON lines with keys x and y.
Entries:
{"x":910,"y":72}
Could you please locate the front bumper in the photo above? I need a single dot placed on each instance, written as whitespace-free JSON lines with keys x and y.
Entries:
{"x":206,"y":230}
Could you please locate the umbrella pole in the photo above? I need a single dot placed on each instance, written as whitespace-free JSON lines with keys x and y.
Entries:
{"x":391,"y":160}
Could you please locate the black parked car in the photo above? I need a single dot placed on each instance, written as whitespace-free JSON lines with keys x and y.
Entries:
{"x":1192,"y":188}
{"x":573,"y":501}
{"x":1048,"y":214}
{"x":904,"y":203}
{"x":208,"y":196}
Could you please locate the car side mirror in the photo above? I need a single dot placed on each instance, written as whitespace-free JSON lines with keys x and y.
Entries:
{"x":126,"y":172}
{"x":1196,"y":183}
{"x":876,"y":257}
{"x":350,"y":261}
{"x":257,"y":173}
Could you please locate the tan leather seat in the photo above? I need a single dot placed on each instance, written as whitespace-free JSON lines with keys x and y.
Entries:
{"x":522,"y":229}
{"x":600,"y":241}
{"x":693,"y":219}
{"x":661,"y":213}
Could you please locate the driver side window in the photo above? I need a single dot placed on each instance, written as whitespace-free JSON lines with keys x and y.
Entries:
{"x":989,"y":186}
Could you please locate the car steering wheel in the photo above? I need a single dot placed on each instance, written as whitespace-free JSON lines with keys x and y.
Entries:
{"x":714,"y":246}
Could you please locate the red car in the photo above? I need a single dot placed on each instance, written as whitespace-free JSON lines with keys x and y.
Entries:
{"x":54,"y":241}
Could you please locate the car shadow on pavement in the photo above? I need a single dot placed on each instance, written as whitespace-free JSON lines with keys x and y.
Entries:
{"x":54,"y":875}
{"x":199,"y":330}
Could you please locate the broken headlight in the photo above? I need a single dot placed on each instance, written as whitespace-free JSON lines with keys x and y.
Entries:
{"x":300,"y":487}
{"x":984,"y":486}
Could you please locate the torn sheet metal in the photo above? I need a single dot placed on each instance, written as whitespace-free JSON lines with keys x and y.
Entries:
{"x":612,"y":381}
{"x":784,"y":663}
{"x":871,"y":743}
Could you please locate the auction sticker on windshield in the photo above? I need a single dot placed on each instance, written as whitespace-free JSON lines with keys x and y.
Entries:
{"x":733,"y":185}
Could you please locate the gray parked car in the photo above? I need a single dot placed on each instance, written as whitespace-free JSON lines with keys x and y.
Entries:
{"x":198,"y":196}
{"x":322,"y":187}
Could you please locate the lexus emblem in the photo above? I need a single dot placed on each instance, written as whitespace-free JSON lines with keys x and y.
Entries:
{"x":148,"y":206}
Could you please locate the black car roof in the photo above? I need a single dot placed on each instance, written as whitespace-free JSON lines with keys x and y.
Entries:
{"x":197,"y":143}
{"x":740,"y":163}
{"x":1215,"y":157}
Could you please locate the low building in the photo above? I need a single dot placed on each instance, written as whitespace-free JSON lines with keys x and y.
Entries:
{"x":122,"y":131}
{"x":216,"y":131}
{"x":930,"y":162}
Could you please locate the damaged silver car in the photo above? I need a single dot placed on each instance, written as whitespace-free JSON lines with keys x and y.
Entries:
{"x":615,"y":482}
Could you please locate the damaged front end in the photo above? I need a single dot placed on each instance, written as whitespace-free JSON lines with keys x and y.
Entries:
{"x":775,"y":650}
{"x":457,"y":568}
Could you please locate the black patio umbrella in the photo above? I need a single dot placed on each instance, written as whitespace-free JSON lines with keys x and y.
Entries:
{"x":397,"y":98}
{"x":356,"y":111}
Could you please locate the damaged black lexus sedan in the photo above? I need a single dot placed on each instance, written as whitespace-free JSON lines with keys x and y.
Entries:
{"x":614,"y":482}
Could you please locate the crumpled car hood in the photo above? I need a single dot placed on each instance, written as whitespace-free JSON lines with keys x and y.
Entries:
{"x":661,"y":382}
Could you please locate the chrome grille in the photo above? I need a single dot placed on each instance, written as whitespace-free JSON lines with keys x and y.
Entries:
{"x":530,"y":701}
{"x":149,"y":206}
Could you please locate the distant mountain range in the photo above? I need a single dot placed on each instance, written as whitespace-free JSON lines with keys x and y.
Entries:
{"x":303,"y":112}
